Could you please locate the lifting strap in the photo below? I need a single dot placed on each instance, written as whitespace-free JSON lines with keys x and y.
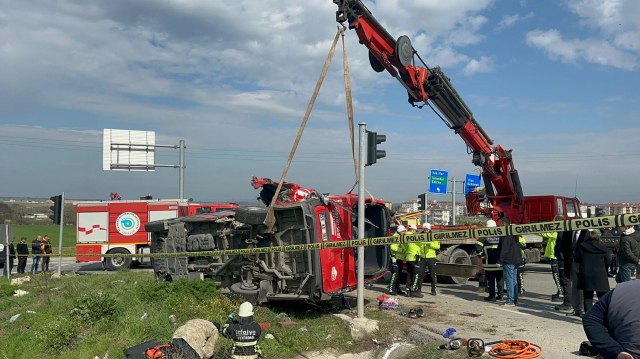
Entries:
{"x":270,"y":215}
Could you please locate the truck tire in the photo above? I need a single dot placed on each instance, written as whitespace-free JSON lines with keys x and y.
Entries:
{"x":251,"y":215}
{"x":249,"y":295}
{"x":459,"y":256}
{"x":115,"y":263}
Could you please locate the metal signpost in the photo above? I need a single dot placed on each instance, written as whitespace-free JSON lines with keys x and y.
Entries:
{"x":61,"y":233}
{"x":453,"y":199}
{"x":125,"y":150}
{"x":438,"y":181}
{"x":361,"y":165}
{"x":6,"y":236}
{"x":471,"y":182}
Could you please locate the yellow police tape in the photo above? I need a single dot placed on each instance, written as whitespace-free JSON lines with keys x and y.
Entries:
{"x":520,"y":229}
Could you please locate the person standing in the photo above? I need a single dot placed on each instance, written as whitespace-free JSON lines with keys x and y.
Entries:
{"x":510,"y":258}
{"x":613,"y":251}
{"x":428,"y":252}
{"x":12,"y":256}
{"x":411,"y":251}
{"x":523,"y":246}
{"x":612,"y":325}
{"x":46,"y":249}
{"x":593,"y":262}
{"x":397,"y":263}
{"x":23,"y":253}
{"x":35,"y":252}
{"x":493,"y":272}
{"x":569,"y":250}
{"x":628,"y":254}
{"x":550,"y":253}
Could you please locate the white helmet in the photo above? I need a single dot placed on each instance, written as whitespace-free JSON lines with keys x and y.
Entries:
{"x":491,"y":223}
{"x":246,"y":310}
{"x":401,"y":228}
{"x":414,"y":227}
{"x":426,"y":226}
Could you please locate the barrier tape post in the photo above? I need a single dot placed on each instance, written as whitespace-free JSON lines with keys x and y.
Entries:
{"x":444,"y":236}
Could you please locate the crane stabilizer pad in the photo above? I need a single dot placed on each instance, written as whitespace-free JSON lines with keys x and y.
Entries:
{"x":444,"y":236}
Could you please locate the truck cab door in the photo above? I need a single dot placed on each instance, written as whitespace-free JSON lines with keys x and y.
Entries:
{"x":376,"y":258}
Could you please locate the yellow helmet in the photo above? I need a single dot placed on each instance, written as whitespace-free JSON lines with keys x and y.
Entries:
{"x":246,"y":310}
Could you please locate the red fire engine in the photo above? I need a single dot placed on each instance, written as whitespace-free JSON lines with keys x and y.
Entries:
{"x":119,"y":226}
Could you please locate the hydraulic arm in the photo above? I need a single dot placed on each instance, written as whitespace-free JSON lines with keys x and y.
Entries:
{"x":424,"y":84}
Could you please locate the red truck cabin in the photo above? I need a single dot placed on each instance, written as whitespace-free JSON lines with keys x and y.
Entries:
{"x":545,"y":208}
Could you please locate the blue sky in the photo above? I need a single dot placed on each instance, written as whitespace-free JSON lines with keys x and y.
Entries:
{"x":556,"y":81}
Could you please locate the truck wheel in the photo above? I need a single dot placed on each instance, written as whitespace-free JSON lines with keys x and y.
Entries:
{"x":458,"y":256}
{"x":115,"y":263}
{"x":251,"y":215}
{"x":250,"y":295}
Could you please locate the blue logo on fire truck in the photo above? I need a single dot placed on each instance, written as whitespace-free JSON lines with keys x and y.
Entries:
{"x":128,"y":224}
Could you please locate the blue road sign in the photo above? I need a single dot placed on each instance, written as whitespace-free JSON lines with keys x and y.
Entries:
{"x":439,"y":181}
{"x":471,"y":182}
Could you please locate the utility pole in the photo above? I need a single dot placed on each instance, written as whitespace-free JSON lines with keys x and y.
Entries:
{"x":453,"y":199}
{"x":361,"y":165}
{"x":61,"y":232}
{"x":182,"y":167}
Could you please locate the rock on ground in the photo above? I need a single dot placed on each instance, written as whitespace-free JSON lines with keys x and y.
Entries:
{"x":359,"y":328}
{"x":18,"y":281}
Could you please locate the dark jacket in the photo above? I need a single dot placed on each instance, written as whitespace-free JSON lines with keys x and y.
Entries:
{"x":245,"y":338}
{"x":612,"y":325}
{"x":35,"y":247}
{"x":489,"y":246}
{"x":594,"y":261}
{"x":22,"y":248}
{"x":509,"y":249}
{"x":629,"y":247}
{"x":47,"y":247}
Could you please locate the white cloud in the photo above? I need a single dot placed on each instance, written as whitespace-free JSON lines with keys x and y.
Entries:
{"x":485,"y":64}
{"x":523,"y":3}
{"x":572,"y":50}
{"x":507,"y":21}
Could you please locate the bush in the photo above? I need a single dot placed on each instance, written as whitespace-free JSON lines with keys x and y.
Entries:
{"x":177,"y":290}
{"x":6,"y":290}
{"x":58,"y":334}
{"x":94,"y":308}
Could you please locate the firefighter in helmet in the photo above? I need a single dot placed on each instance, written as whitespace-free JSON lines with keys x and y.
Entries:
{"x":244,"y":332}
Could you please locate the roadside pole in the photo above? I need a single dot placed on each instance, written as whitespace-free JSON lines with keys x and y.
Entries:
{"x":61,"y":229}
{"x":361,"y":164}
{"x":182,"y":167}
{"x":453,"y":202}
{"x":6,"y":250}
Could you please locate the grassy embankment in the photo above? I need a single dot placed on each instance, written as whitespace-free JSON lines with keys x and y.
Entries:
{"x":32,"y":231}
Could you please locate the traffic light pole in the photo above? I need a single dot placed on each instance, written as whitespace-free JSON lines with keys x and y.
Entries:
{"x":453,"y":199}
{"x":61,"y":229}
{"x":361,"y":166}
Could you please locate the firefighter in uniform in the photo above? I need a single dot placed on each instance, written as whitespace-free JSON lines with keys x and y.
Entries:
{"x":489,"y":246}
{"x":523,"y":246}
{"x":412,"y":256}
{"x":245,"y":334}
{"x":428,"y":259}
{"x":397,"y":263}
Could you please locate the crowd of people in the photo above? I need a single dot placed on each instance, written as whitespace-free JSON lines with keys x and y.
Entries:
{"x":40,"y":245}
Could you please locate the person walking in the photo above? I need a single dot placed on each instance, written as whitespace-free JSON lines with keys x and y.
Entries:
{"x":493,"y":272}
{"x":628,"y":254}
{"x":593,"y":262}
{"x":612,"y":325}
{"x":510,"y":258}
{"x":46,"y":249}
{"x":23,"y":253}
{"x":550,"y":253}
{"x":35,"y":251}
{"x":428,"y":259}
{"x":397,"y":263}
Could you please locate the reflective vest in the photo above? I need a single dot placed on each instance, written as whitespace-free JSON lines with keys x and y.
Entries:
{"x":428,"y":249}
{"x":411,"y":250}
{"x":396,"y":250}
{"x":489,"y":246}
{"x":551,"y":244}
{"x":523,"y":243}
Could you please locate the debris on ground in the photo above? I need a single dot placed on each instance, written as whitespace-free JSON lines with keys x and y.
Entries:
{"x":56,"y":276}
{"x":20,"y":293}
{"x":54,"y":289}
{"x":303,"y":329}
{"x":144,"y":316}
{"x":449,"y":332}
{"x":118,"y":281}
{"x":328,"y":337}
{"x":14,"y":318}
{"x":473,"y":315}
{"x":18,"y":281}
{"x":31,"y":312}
{"x":173,"y":320}
{"x":269,"y":336}
{"x":387,"y":303}
{"x":283,"y":317}
{"x":264,"y":326}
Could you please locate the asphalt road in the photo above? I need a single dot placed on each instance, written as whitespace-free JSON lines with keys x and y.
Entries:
{"x":558,"y":334}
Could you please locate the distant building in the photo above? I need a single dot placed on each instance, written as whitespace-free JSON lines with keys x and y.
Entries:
{"x":613,"y":209}
{"x":439,"y":215}
{"x":412,"y":206}
{"x":587,"y":209}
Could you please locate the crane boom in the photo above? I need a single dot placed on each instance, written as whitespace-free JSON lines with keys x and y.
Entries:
{"x":424,"y":84}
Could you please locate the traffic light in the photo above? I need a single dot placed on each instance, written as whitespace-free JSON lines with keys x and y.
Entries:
{"x":56,"y":209}
{"x":599,"y":212}
{"x":147,"y":197}
{"x":373,"y":140}
{"x":422,"y":202}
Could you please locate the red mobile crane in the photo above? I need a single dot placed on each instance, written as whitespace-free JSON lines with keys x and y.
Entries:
{"x":502,"y":183}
